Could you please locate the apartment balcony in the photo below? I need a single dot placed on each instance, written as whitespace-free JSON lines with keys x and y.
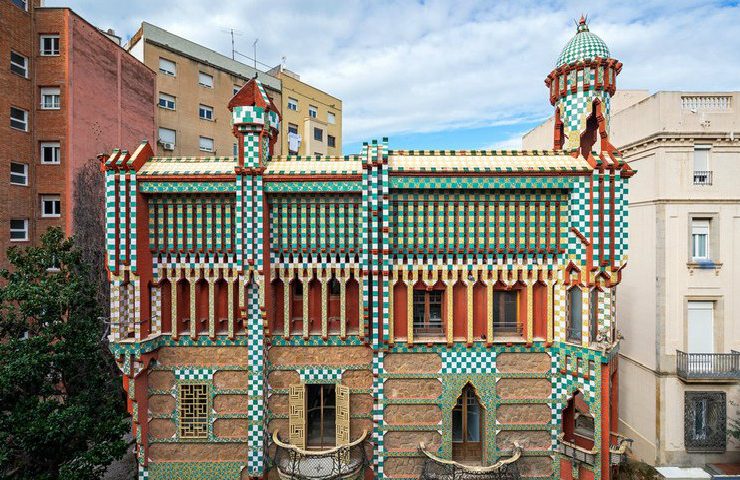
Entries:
{"x":436,"y":468}
{"x":345,"y":462}
{"x":708,"y":367}
{"x":702,"y":177}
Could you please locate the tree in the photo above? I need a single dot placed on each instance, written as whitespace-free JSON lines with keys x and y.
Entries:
{"x":62,"y":414}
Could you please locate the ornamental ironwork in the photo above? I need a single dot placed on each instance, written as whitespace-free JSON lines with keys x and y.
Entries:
{"x":705,"y":421}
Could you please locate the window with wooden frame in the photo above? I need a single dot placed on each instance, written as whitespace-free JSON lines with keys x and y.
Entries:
{"x":573,"y":313}
{"x":319,"y":415}
{"x":193,"y":412}
{"x":467,"y":427}
{"x":428,"y":312}
{"x":506,"y":312}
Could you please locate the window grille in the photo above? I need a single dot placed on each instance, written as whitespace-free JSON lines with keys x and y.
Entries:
{"x":705,"y":421}
{"x":193,"y":410}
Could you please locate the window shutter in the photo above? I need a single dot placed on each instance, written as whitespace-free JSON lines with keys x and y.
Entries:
{"x":297,"y":415}
{"x":342,"y":414}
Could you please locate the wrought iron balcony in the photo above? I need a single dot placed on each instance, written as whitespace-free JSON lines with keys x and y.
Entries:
{"x":619,"y":445}
{"x":702,"y":177}
{"x":573,"y":451}
{"x":708,"y":366}
{"x":345,"y":462}
{"x":436,"y":468}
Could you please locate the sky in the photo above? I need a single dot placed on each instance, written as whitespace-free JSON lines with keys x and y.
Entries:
{"x":447,"y":74}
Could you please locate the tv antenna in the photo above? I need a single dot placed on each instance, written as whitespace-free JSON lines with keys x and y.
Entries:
{"x":254,"y":47}
{"x":232,"y":32}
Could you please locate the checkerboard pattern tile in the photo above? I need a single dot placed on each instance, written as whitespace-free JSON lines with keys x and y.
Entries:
{"x":468,"y":362}
{"x":194,"y":374}
{"x":584,"y":45}
{"x":320,"y":375}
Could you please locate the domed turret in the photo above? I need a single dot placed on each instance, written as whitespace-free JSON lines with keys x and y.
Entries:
{"x":581,"y":85}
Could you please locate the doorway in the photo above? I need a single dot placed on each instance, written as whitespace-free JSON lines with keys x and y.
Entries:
{"x":320,"y":416}
{"x":467,"y":427}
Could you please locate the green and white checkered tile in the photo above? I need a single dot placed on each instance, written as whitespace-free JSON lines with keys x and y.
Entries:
{"x":320,"y":375}
{"x":584,"y":45}
{"x":194,"y":373}
{"x":467,"y":362}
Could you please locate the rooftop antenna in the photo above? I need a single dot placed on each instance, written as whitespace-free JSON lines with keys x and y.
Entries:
{"x":232,"y":32}
{"x":254,"y":46}
{"x":282,"y":63}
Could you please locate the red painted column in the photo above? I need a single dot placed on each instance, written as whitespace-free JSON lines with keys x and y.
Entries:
{"x":605,"y":420}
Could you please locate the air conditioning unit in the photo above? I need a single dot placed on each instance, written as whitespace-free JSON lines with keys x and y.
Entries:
{"x":168,"y":146}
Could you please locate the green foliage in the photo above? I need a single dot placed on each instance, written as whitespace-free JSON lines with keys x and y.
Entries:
{"x":61,"y":408}
{"x":734,"y":430}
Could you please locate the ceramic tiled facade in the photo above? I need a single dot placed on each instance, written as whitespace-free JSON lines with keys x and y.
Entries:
{"x":258,"y":275}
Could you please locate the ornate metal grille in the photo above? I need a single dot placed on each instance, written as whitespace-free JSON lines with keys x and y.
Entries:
{"x":705,"y":421}
{"x":193,"y":410}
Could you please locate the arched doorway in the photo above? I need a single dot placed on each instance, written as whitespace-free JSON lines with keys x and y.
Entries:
{"x":467,"y":427}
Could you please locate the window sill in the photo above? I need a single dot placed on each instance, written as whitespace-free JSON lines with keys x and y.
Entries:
{"x":708,"y":264}
{"x":25,"y":77}
{"x":19,"y":184}
{"x":166,"y":108}
{"x":25,"y":130}
{"x":51,"y":163}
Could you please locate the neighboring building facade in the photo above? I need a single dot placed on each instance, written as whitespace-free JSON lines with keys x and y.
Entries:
{"x":312,"y":118}
{"x":196,"y":83}
{"x":390,"y":314}
{"x":680,"y":366}
{"x":54,"y":117}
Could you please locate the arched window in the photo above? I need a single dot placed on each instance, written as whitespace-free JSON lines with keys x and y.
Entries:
{"x":578,"y":423}
{"x":467,"y":427}
{"x":573,"y":311}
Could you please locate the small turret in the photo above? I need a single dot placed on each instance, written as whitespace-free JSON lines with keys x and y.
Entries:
{"x":581,"y":85}
{"x":256,"y":122}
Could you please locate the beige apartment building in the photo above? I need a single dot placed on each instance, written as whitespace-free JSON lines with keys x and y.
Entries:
{"x":678,"y":303}
{"x":194,"y":86}
{"x":312,"y":119}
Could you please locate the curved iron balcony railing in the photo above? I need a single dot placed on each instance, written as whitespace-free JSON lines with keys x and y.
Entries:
{"x":580,"y":454}
{"x":345,"y":462}
{"x":618,"y":449}
{"x":436,"y":468}
{"x":708,"y":366}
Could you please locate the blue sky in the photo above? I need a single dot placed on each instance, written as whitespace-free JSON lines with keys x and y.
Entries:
{"x":449,"y":74}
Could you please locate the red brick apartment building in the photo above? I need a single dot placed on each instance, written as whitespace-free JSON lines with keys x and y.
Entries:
{"x":68,"y":91}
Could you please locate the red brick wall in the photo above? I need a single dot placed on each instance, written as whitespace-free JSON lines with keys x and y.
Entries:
{"x":107,"y":101}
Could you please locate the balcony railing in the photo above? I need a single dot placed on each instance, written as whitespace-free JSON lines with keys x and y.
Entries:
{"x":345,"y":462}
{"x":708,"y":366}
{"x":573,"y":451}
{"x":436,"y":468}
{"x":702,"y":177}
{"x":618,"y":446}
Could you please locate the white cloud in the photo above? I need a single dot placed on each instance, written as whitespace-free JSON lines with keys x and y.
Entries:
{"x":402,"y":66}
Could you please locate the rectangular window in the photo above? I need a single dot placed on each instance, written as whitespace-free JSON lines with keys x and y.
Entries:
{"x":293,"y":128}
{"x":167,"y":67}
{"x":167,"y":135}
{"x":427,"y":312}
{"x":205,"y":80}
{"x":50,"y":98}
{"x":166,"y":101}
{"x":205,"y":112}
{"x":700,"y":334}
{"x":51,"y":153}
{"x":593,"y":308}
{"x":313,"y":112}
{"x":702,"y":174}
{"x":331,"y":119}
{"x":193,"y":413}
{"x":206,"y":144}
{"x":573,"y":307}
{"x":49,"y":45}
{"x":321,"y":403}
{"x":318,"y":134}
{"x":18,"y":173}
{"x":19,"y":230}
{"x":19,"y":64}
{"x":51,"y":206}
{"x":293,"y":104}
{"x":331,"y":141}
{"x":505,"y":305}
{"x":705,"y":421}
{"x":700,"y":238}
{"x":19,"y":119}
{"x":23,"y":4}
